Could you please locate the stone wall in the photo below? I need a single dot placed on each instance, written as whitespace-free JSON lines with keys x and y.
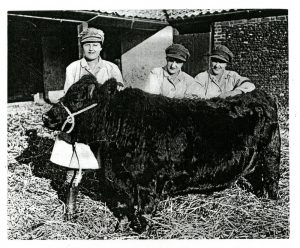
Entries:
{"x":260,"y":46}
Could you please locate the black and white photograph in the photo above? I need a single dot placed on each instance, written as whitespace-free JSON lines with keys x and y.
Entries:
{"x":148,"y":124}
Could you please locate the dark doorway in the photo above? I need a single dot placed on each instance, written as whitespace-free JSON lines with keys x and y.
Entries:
{"x":199,"y":47}
{"x":25,"y":71}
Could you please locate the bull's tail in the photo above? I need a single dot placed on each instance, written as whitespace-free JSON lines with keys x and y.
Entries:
{"x":271,"y":166}
{"x":265,"y":178}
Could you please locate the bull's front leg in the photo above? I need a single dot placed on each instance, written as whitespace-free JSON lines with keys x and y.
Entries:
{"x":71,"y":194}
{"x":71,"y":203}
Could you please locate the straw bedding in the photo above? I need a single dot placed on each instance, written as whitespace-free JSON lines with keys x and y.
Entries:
{"x":35,"y":210}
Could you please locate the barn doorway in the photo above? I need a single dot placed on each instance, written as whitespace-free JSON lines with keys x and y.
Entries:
{"x":198,"y":45}
{"x":25,"y":61}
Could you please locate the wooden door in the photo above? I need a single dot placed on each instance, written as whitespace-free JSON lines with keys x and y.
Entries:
{"x":199,"y":48}
{"x":54,"y":72}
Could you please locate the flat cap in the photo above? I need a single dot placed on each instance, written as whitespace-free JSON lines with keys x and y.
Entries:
{"x":178,"y":51}
{"x":223,"y":53}
{"x":92,"y":35}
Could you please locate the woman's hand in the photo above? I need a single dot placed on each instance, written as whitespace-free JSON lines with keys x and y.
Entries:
{"x":230,"y":93}
{"x":120,"y":86}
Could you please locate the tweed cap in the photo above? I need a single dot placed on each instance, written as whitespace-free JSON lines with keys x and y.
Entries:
{"x":92,"y":35}
{"x":178,"y":51}
{"x":223,"y":53}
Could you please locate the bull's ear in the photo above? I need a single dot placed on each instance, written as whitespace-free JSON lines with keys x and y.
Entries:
{"x":91,"y":89}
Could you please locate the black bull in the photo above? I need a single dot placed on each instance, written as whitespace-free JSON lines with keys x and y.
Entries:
{"x":152,"y":146}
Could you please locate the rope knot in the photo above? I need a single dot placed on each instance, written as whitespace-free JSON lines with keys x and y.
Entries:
{"x":70,"y":119}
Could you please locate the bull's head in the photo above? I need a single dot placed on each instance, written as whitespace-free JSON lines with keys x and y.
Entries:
{"x":81,"y":97}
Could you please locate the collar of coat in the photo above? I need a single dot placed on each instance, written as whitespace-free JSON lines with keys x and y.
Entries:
{"x":178,"y":78}
{"x":99,"y":65}
{"x":225,"y":75}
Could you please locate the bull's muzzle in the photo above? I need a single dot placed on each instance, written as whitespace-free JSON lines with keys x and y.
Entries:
{"x":49,"y":122}
{"x":45,"y":119}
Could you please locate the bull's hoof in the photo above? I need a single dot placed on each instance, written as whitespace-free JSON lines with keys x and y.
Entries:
{"x":244,"y":184}
{"x":70,"y":213}
{"x":138,"y":224}
{"x":69,"y":217}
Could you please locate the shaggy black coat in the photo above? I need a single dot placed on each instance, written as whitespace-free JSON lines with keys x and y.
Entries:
{"x":152,"y":146}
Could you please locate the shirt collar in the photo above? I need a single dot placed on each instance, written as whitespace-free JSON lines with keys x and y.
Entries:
{"x":84,"y":63}
{"x":180,"y":76}
{"x":213,"y":77}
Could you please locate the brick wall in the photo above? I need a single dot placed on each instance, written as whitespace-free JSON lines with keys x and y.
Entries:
{"x":260,"y":46}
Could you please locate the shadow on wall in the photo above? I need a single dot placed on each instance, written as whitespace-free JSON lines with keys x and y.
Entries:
{"x":142,"y":52}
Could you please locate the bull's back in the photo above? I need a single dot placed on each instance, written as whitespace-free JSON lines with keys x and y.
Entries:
{"x":210,"y":139}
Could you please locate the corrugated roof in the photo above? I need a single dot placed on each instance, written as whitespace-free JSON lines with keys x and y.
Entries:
{"x":192,"y":13}
{"x":164,"y":15}
{"x":153,"y":14}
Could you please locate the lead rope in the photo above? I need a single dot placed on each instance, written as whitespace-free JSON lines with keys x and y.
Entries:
{"x":71,"y":119}
{"x":79,"y":175}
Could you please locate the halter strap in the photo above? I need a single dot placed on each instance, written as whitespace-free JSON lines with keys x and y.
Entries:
{"x":70,"y":119}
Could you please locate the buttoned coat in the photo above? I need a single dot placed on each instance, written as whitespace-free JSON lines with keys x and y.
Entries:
{"x":208,"y":86}
{"x":161,"y":82}
{"x":103,"y":71}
